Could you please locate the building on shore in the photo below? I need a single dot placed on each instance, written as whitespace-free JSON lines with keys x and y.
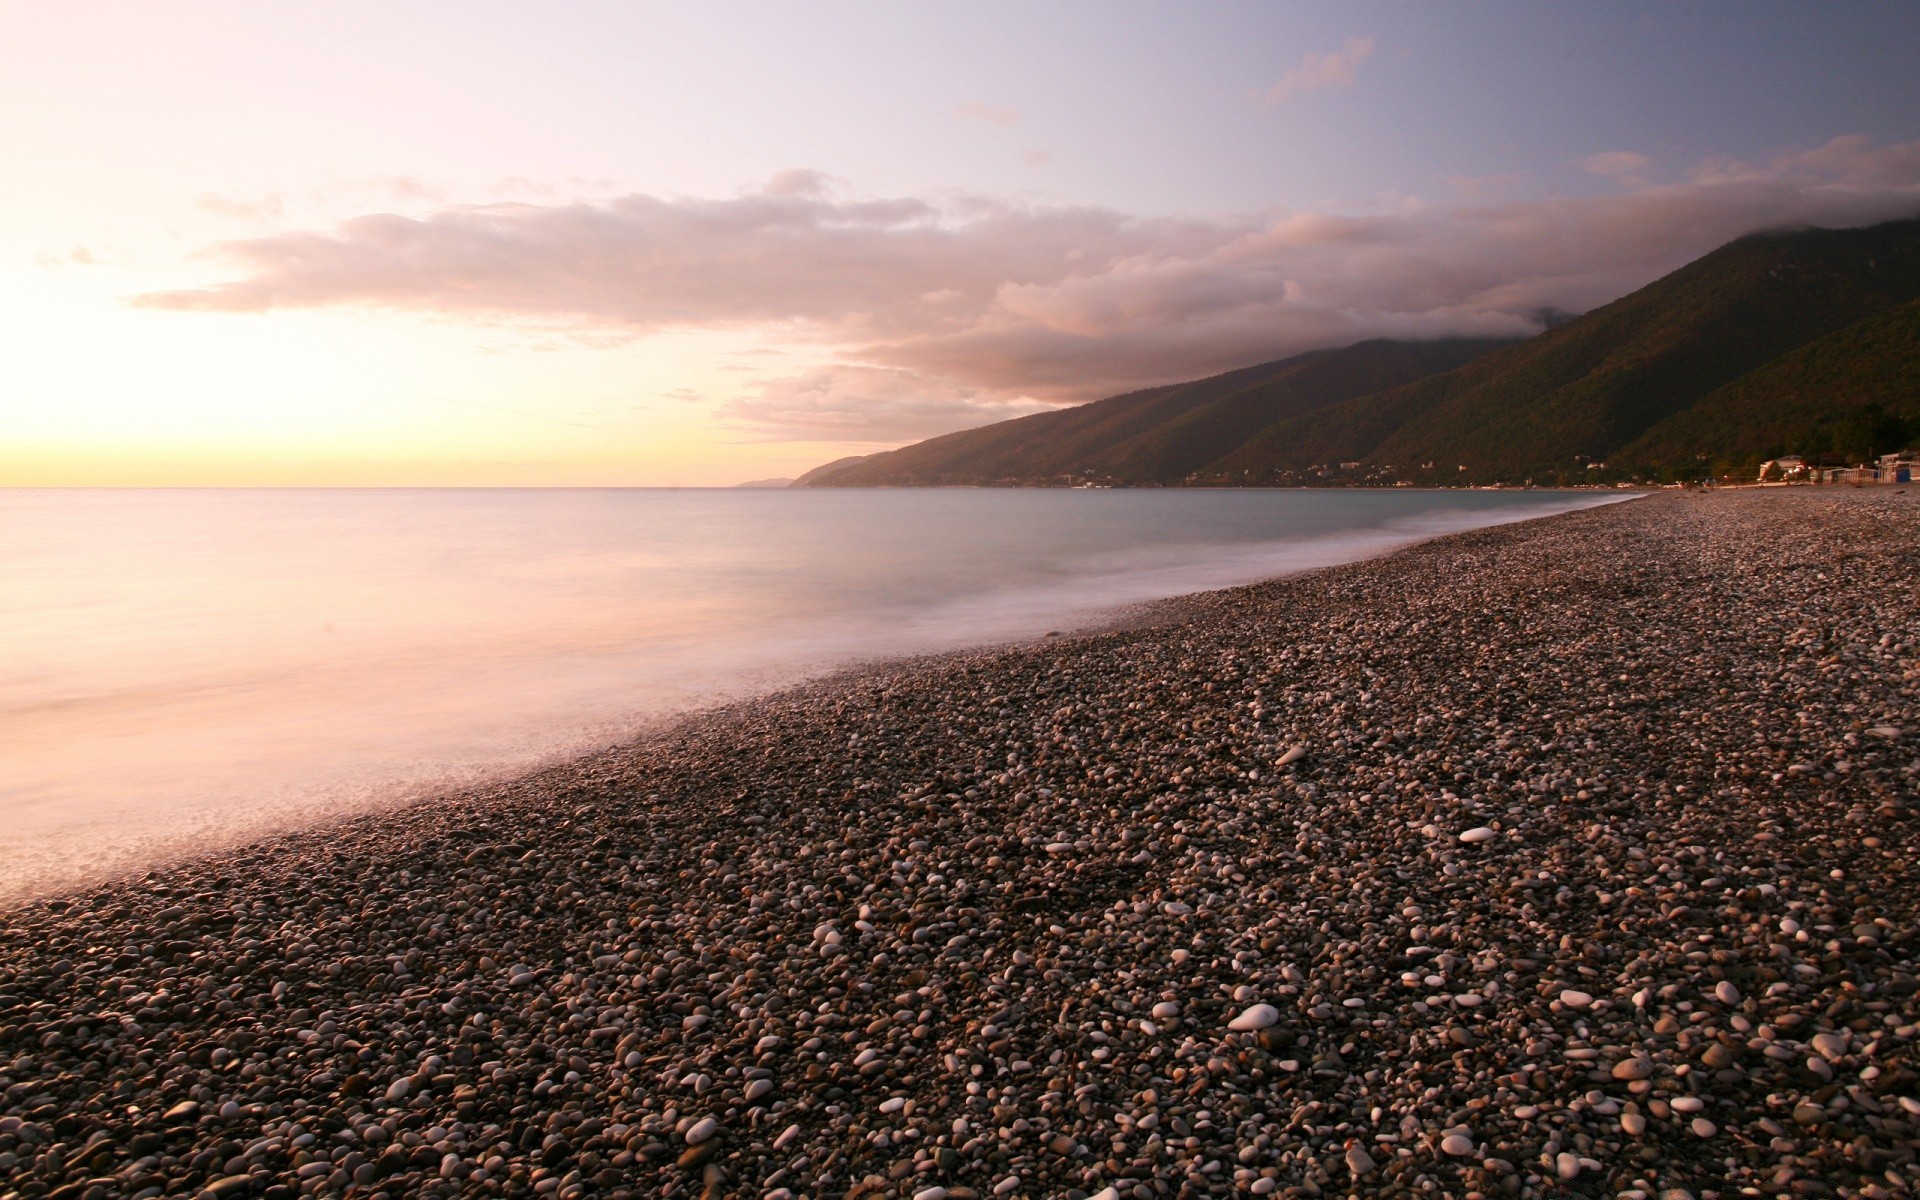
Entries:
{"x":1900,"y":467}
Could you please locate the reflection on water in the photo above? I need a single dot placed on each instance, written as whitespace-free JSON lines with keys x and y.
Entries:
{"x":177,"y":666}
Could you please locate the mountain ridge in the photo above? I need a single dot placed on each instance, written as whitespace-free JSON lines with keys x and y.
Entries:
{"x":1616,"y":383}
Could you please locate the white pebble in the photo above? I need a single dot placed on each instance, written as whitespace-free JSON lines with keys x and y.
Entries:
{"x":1258,"y":1017}
{"x":1459,"y":1145}
{"x":1575,"y":999}
{"x":1479,"y":834}
{"x":701,"y":1130}
{"x":1726,"y":993}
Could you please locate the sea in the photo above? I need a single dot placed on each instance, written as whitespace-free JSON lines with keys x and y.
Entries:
{"x":186,"y":669}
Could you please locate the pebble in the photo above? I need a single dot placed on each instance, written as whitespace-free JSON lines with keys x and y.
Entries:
{"x":1478,"y":834}
{"x":987,"y":923}
{"x":1830,"y":1046}
{"x":1260,"y":1016}
{"x":1360,"y":1164}
{"x":1632,"y":1068}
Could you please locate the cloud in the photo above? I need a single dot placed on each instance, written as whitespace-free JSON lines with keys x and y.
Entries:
{"x":1847,"y":161}
{"x":858,"y":403}
{"x":79,"y":256}
{"x":988,"y":114}
{"x":1622,"y":166}
{"x":1316,"y":71}
{"x":1036,"y":157}
{"x":945,"y":309}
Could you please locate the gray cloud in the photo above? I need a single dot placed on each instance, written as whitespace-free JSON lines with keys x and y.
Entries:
{"x":963,"y":302}
{"x":1626,"y":167}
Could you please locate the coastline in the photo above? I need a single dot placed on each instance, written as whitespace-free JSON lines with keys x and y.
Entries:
{"x":144,"y":732}
{"x":997,"y":868}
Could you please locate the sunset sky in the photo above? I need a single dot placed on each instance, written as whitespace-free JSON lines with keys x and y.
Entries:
{"x":631,"y":243}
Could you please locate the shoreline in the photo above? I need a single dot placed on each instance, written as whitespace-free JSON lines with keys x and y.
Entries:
{"x":84,"y":820}
{"x":980,"y":879}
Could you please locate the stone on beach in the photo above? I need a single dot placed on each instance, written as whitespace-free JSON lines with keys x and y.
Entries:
{"x":1260,"y":1016}
{"x":1632,"y":1068}
{"x":1359,"y":1163}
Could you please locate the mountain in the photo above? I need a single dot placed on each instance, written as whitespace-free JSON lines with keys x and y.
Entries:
{"x":825,"y":469}
{"x":1844,"y":392}
{"x":765,"y":483}
{"x":1771,"y":341}
{"x":1588,"y":388}
{"x":1158,"y":435}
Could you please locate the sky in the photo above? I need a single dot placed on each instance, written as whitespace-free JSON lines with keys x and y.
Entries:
{"x":632,"y":244}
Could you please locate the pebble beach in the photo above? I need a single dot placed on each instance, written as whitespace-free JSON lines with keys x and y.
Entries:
{"x":1566,"y":858}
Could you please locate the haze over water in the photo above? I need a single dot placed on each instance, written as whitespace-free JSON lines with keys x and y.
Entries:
{"x":180,"y":668}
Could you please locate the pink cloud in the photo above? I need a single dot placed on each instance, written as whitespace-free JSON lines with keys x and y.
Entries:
{"x":859,"y":403}
{"x":959,"y":304}
{"x":1316,"y":71}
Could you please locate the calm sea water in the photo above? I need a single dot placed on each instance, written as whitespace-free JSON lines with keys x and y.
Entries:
{"x":186,"y":667}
